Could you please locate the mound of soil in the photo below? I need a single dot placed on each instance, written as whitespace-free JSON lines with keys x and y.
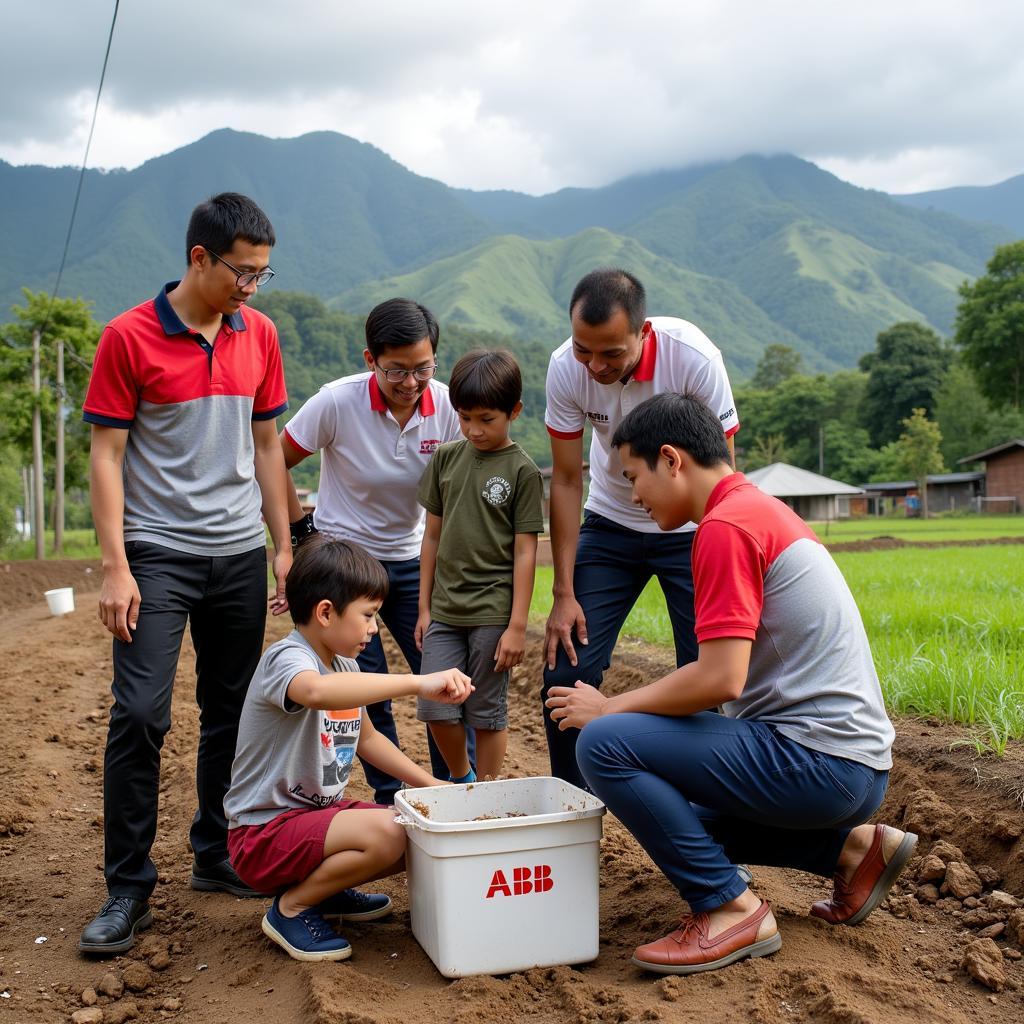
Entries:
{"x":926,"y":956}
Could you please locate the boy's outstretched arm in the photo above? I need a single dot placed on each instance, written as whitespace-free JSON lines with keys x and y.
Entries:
{"x":356,"y":689}
{"x":376,"y":748}
{"x":512,"y":644}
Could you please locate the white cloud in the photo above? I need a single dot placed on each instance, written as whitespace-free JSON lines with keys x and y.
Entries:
{"x":536,"y":95}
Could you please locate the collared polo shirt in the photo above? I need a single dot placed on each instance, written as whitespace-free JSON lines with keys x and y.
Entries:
{"x":760,"y":574}
{"x":370,"y":467}
{"x":676,"y":356}
{"x":188,"y":406}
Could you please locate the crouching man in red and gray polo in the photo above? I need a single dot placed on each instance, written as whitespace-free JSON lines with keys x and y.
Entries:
{"x":800,"y":757}
{"x":183,"y":398}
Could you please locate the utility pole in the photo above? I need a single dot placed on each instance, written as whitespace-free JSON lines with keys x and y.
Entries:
{"x":58,"y":472}
{"x":821,"y":450}
{"x":37,"y":450}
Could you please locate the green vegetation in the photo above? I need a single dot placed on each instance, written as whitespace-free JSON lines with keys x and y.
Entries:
{"x":990,"y":327}
{"x":939,"y":528}
{"x":757,"y":251}
{"x":944,"y":625}
{"x":77,"y":544}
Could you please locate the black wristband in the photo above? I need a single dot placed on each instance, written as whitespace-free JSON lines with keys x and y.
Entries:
{"x":302,"y":529}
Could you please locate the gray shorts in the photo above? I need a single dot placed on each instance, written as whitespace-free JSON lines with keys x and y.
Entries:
{"x":471,"y":650}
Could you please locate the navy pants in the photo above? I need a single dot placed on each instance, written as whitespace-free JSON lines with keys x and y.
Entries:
{"x":704,"y":792}
{"x":399,"y":613}
{"x":224,"y":602}
{"x":613,"y":565}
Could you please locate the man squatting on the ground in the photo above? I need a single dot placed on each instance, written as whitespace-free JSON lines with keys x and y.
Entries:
{"x":291,"y":830}
{"x":184,"y":392}
{"x":616,"y":358}
{"x":798,"y":760}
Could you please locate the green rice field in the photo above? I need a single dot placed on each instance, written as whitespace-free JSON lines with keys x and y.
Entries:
{"x":946,"y":626}
{"x":942,"y":528}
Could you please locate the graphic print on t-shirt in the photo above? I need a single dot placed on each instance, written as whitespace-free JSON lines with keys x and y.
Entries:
{"x":339,"y":738}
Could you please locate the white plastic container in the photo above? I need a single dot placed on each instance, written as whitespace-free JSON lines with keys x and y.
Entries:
{"x":503,"y":876}
{"x":61,"y":600}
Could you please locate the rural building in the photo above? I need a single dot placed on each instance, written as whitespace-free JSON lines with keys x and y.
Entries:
{"x":947,"y":492}
{"x":1004,"y":473}
{"x":809,"y":495}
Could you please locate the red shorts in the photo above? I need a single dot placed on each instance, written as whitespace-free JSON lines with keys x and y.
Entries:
{"x":288,"y":848}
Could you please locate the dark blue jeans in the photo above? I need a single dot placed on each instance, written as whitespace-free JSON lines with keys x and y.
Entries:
{"x":399,"y":613}
{"x":613,"y":565}
{"x":704,"y":792}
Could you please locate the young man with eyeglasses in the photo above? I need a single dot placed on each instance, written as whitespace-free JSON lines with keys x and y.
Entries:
{"x":376,"y":432}
{"x":184,"y":394}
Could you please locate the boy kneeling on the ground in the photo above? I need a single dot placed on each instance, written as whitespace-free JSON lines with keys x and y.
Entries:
{"x":287,"y":833}
{"x":799,"y":759}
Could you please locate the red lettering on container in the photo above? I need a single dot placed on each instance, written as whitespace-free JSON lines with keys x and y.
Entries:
{"x":524,"y":881}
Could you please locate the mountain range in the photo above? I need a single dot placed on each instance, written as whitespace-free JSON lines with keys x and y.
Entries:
{"x":756,"y":250}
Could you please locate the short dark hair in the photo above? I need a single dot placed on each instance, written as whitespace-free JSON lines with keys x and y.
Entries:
{"x":217,"y":223}
{"x":336,"y":570}
{"x":399,"y":322}
{"x":486,"y":380}
{"x":682,"y":421}
{"x":603,"y":291}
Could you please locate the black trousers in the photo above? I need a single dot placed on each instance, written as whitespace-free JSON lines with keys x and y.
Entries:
{"x":224,"y":602}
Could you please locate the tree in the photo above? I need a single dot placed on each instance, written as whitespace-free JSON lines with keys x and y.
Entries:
{"x":67,"y":319}
{"x":905,"y":372}
{"x":919,"y":452}
{"x":777,"y":363}
{"x":990,"y":326}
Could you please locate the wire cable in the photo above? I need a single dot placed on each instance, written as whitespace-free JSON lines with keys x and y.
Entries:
{"x":81,"y":173}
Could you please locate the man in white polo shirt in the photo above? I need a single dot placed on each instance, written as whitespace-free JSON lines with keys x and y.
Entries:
{"x":376,"y":432}
{"x":616,"y":358}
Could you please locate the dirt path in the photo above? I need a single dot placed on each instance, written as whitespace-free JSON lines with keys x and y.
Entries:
{"x":205,"y":960}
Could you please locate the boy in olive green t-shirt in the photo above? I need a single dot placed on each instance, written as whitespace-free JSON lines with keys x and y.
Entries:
{"x":483,"y":502}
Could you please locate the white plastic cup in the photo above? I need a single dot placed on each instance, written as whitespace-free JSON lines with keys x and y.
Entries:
{"x":61,"y":600}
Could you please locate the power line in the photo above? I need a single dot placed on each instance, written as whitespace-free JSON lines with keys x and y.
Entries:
{"x":81,"y":173}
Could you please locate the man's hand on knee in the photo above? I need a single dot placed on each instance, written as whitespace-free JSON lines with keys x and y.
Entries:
{"x":573,"y":706}
{"x":566,"y":615}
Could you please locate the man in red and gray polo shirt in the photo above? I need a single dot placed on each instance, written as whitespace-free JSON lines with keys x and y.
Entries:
{"x":799,"y":758}
{"x":183,"y":398}
{"x":617,"y":357}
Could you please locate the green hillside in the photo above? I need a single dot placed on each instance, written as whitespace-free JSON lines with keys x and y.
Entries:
{"x":755,"y":251}
{"x":343,"y":212}
{"x":1001,"y":204}
{"x":522,"y":287}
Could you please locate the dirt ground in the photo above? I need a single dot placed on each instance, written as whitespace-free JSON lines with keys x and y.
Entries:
{"x":205,"y":960}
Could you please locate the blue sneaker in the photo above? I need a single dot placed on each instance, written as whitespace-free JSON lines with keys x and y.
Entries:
{"x":307,"y":936}
{"x":353,"y":905}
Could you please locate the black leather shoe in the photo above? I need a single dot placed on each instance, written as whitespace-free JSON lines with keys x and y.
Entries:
{"x":113,"y":929}
{"x":221,"y":878}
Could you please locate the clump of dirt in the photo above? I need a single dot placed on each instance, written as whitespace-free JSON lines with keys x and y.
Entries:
{"x":420,"y":808}
{"x":925,"y":955}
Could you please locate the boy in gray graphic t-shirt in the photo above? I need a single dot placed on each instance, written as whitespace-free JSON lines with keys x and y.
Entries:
{"x":295,"y":748}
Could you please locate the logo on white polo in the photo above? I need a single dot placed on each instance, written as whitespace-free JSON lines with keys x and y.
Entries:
{"x":497,"y":491}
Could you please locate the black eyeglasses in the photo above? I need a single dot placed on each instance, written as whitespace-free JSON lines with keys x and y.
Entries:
{"x":421,"y":373}
{"x":245,"y":278}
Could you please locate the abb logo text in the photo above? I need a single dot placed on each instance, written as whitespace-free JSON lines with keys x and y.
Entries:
{"x":524,"y":880}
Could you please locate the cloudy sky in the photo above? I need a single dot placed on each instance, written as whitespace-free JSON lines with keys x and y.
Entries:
{"x":899,"y":95}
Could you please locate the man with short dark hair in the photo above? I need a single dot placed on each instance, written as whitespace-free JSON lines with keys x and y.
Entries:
{"x":183,"y":398}
{"x":617,"y":357}
{"x":797,"y":762}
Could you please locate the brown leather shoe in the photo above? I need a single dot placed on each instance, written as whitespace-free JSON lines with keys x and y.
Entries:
{"x":870,"y":883}
{"x":688,"y":949}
